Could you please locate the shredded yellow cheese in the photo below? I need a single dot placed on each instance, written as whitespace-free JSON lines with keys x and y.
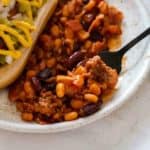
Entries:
{"x":24,"y":24}
{"x":27,"y":3}
{"x":5,"y":2}
{"x":36,"y":3}
{"x":27,"y":34}
{"x":13,"y":54}
{"x":30,"y":4}
{"x":24,"y":39}
{"x":13,"y":32}
{"x":18,"y":29}
{"x":7,"y":39}
{"x":25,"y":27}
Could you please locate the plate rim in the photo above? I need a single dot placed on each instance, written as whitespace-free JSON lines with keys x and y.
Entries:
{"x":64,"y":126}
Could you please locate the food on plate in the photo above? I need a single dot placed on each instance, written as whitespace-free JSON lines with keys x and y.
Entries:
{"x":64,"y":78}
{"x":16,"y":23}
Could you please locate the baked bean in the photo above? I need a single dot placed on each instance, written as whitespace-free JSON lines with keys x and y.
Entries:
{"x":60,"y":90}
{"x":51,"y":62}
{"x":45,"y":110}
{"x":113,"y":30}
{"x":98,"y":21}
{"x":91,"y":98}
{"x":22,"y":95}
{"x":27,"y":116}
{"x":103,"y":6}
{"x":40,"y":54}
{"x":83,"y":35}
{"x":46,"y":41}
{"x":63,"y":19}
{"x":58,"y":43}
{"x":77,"y":104}
{"x":69,"y":33}
{"x":65,"y":79}
{"x":65,"y":11}
{"x":80,"y":70}
{"x":57,"y":116}
{"x":55,"y":31}
{"x":115,"y":16}
{"x":69,"y":43}
{"x":29,"y":89}
{"x":31,"y":73}
{"x":97,"y":47}
{"x":95,"y":89}
{"x":71,"y":116}
{"x":90,"y":5}
{"x":88,"y":44}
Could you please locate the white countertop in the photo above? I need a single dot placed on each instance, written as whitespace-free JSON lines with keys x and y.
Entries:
{"x":126,"y":129}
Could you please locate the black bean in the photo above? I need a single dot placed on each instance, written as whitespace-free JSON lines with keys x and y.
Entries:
{"x":37,"y":84}
{"x":74,"y":59}
{"x":77,"y":46}
{"x":44,"y":74}
{"x":66,"y":100}
{"x":88,"y":17}
{"x":85,"y":1}
{"x":85,"y":25}
{"x":95,"y":36}
{"x":49,"y":86}
{"x":45,"y":118}
{"x":87,"y":20}
{"x":91,"y":108}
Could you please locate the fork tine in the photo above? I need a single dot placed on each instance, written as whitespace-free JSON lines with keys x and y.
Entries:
{"x":112,"y":59}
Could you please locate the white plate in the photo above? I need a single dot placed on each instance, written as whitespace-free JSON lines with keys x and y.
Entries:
{"x":138,"y":64}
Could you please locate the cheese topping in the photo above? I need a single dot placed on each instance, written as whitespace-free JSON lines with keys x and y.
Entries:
{"x":7,"y":32}
{"x":17,"y":33}
{"x":29,"y":4}
{"x":5,"y":2}
{"x":12,"y":53}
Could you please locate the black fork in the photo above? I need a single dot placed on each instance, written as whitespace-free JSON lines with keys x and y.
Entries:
{"x":114,"y":59}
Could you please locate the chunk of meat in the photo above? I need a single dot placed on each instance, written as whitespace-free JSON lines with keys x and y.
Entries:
{"x":101,"y":72}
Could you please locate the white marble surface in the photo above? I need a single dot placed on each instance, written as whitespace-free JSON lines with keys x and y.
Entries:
{"x":126,"y":129}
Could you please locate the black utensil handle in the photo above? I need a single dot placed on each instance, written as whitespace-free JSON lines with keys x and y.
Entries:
{"x":134,"y":41}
